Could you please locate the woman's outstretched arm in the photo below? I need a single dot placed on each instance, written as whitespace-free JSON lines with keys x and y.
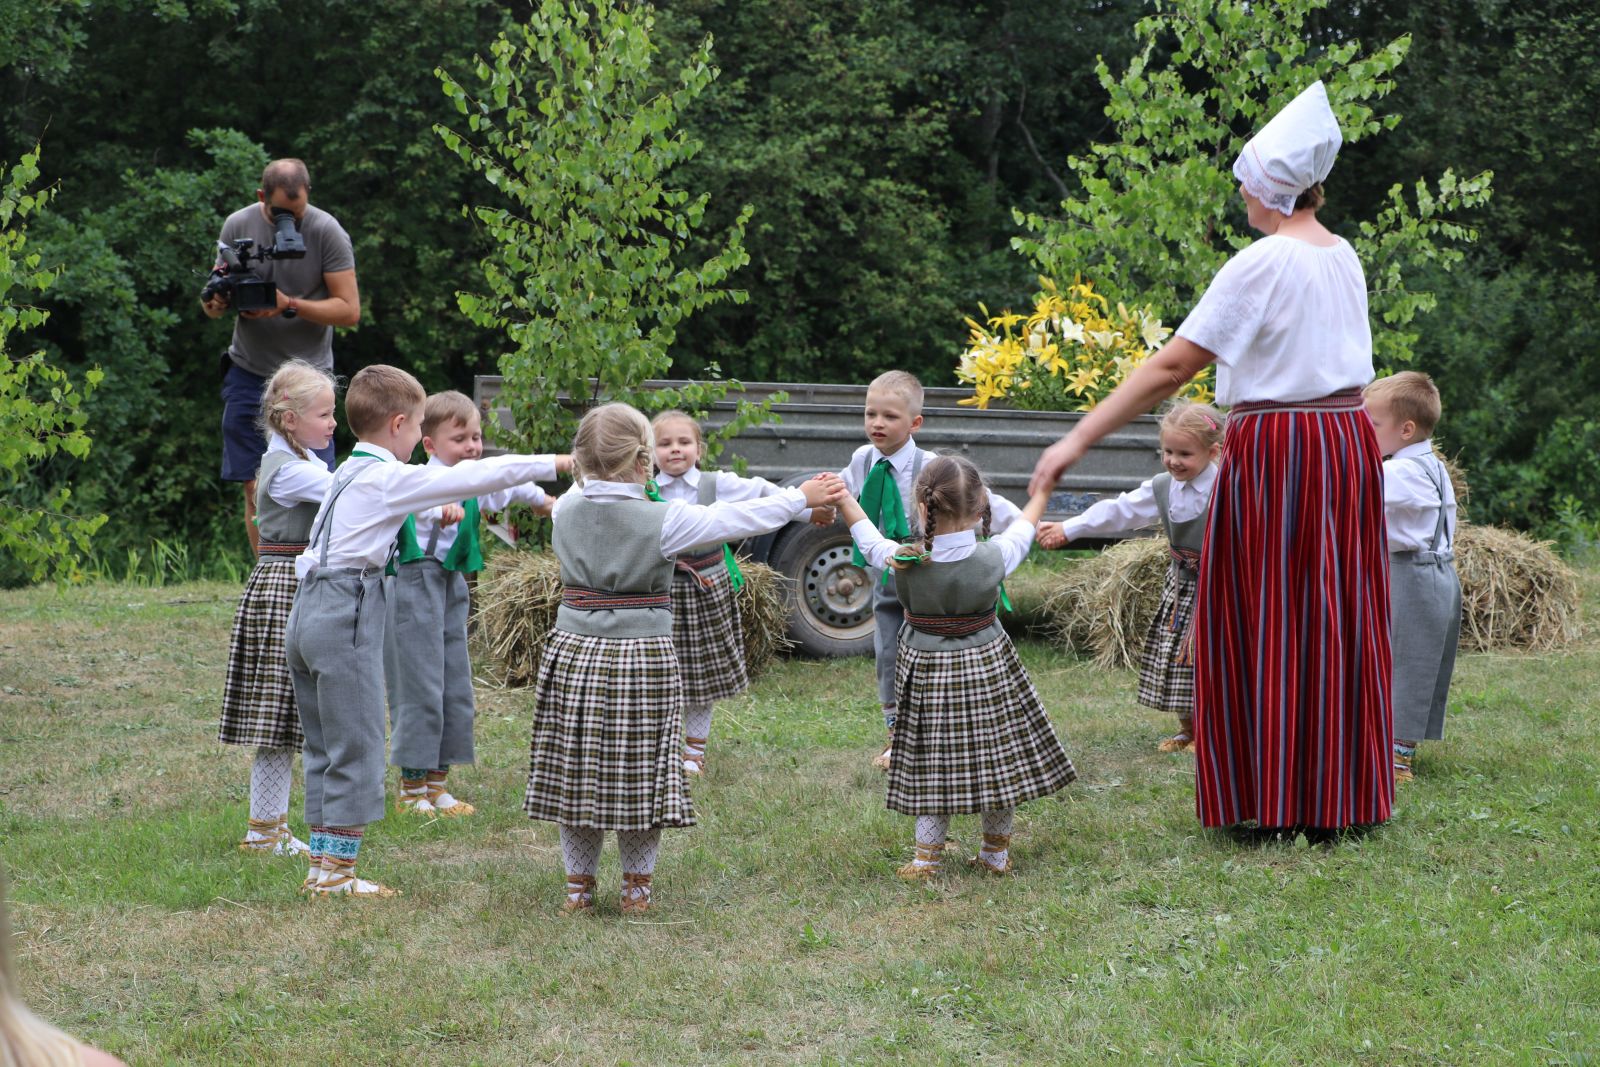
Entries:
{"x":1162,"y":375}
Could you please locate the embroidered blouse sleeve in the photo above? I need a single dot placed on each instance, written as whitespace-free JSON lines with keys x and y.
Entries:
{"x":1133,"y":510}
{"x":687,"y":525}
{"x":1231,"y":311}
{"x":874,"y":546}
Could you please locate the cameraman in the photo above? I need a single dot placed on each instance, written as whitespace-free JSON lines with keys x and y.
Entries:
{"x":318,"y":292}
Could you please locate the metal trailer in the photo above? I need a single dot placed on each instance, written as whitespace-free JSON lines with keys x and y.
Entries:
{"x":820,"y":426}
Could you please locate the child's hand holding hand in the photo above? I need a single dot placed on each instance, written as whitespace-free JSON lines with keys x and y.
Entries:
{"x":1050,"y":535}
{"x":563,"y":464}
{"x":451,"y":514}
{"x":823,"y":490}
{"x":545,"y":508}
{"x":822,"y":516}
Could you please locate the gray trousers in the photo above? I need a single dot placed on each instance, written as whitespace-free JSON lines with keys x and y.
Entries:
{"x":426,"y":665}
{"x":334,"y":645}
{"x":888,"y":615}
{"x":1425,"y":627}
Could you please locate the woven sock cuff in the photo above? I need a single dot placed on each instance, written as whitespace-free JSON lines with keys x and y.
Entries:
{"x":413,"y":774}
{"x":342,"y":844}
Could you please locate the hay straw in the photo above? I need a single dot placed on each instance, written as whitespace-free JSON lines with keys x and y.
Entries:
{"x":519,"y":593}
{"x":1516,"y":594}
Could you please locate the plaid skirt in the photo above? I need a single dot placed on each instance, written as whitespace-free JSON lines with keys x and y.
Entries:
{"x":258,"y":708}
{"x":708,"y":638}
{"x":1165,"y":683}
{"x":972,"y":734}
{"x":607,"y":747}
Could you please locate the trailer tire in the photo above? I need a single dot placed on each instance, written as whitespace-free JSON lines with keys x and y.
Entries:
{"x":829,"y":598}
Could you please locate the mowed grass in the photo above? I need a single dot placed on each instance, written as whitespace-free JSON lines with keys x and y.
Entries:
{"x":1465,"y":931}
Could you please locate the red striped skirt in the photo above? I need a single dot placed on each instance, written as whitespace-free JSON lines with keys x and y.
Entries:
{"x":1292,"y":662}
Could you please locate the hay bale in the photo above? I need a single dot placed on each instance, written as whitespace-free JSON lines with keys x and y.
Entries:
{"x":1516,"y":595}
{"x":1102,"y":606}
{"x":1515,"y":592}
{"x":519,"y":593}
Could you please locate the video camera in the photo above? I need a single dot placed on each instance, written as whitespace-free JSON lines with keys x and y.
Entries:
{"x":240,"y":286}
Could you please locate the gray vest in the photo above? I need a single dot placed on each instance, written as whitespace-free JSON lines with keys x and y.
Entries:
{"x":706,"y":494}
{"x":965,"y":587}
{"x":614,"y":548}
{"x":275,"y":522}
{"x":1184,"y":539}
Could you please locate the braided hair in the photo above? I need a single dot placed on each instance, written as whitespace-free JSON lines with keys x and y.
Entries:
{"x":951,"y":494}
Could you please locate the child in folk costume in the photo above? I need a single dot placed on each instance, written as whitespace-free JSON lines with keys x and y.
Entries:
{"x":1180,"y":500}
{"x":607,"y":739}
{"x":297,"y":418}
{"x":426,"y":663}
{"x":1419,"y":506}
{"x":335,"y":637}
{"x":972,"y":735}
{"x":880,"y":476}
{"x":706,"y":631}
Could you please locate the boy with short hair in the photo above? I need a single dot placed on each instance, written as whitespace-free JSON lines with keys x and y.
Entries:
{"x":335,"y":636}
{"x":425,"y":658}
{"x":1419,"y":507}
{"x":881,"y":475}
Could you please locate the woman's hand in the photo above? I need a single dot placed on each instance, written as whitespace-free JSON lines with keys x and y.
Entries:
{"x":1053,"y":463}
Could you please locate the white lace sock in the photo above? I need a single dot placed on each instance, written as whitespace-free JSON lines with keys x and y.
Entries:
{"x":931,"y":831}
{"x":996,"y":837}
{"x":580,"y":854}
{"x":697,"y":725}
{"x":639,"y":849}
{"x":271,"y":777}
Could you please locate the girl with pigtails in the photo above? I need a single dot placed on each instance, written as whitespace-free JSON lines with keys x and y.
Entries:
{"x":972,"y":736}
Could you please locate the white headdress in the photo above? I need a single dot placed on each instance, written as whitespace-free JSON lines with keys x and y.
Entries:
{"x":1292,"y":152}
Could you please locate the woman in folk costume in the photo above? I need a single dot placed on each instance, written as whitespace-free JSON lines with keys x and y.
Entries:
{"x":1291,"y":614}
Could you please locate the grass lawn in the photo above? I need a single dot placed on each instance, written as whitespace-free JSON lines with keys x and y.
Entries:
{"x":1466,"y":931}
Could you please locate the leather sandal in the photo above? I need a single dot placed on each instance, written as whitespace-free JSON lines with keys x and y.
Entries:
{"x":635,"y":893}
{"x":927,"y":865}
{"x":993,"y":844}
{"x":580,"y":894}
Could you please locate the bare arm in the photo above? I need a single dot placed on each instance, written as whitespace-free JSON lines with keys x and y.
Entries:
{"x":341,"y":307}
{"x":1159,"y":377}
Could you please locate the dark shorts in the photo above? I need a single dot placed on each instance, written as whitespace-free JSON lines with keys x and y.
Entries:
{"x":242,"y":442}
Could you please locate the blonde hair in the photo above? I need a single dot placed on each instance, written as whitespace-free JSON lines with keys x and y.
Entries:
{"x":441,"y":409}
{"x":25,"y":1039}
{"x":377,"y":394}
{"x":1201,"y":421}
{"x":294,"y":386}
{"x":612,"y":442}
{"x":952,"y":493}
{"x":1408,"y":395}
{"x":904,"y":385}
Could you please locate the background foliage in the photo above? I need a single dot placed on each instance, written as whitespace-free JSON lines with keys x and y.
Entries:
{"x":883,"y":147}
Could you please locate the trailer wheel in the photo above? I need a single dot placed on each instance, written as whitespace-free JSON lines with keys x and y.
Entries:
{"x":828,"y":596}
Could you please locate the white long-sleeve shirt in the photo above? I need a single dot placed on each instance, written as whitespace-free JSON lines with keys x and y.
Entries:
{"x":1137,"y":510}
{"x":730,"y":486}
{"x":1002,"y":512}
{"x":1411,"y":503}
{"x":1013,"y":543}
{"x":526,"y":493}
{"x":300,"y":481}
{"x":688,"y":525}
{"x":384,"y":491}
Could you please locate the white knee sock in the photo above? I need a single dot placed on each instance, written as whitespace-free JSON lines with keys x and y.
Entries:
{"x":271,"y":776}
{"x":697,"y":723}
{"x":580,"y":849}
{"x":639,"y":849}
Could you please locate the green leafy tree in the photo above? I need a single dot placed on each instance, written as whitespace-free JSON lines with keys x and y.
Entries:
{"x":1154,"y":221}
{"x":584,"y":276}
{"x":40,"y":410}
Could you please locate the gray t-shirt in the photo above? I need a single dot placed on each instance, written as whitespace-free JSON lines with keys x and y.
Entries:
{"x":260,"y":346}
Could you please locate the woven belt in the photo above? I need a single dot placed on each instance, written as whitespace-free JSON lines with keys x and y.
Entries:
{"x":576,"y":596}
{"x":950,"y":625}
{"x":1187,"y":559}
{"x":280,"y":548}
{"x":693,"y":565}
{"x":1343,"y":400}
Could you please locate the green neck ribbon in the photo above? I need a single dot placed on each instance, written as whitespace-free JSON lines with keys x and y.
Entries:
{"x":729,"y":560}
{"x":880,"y":499}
